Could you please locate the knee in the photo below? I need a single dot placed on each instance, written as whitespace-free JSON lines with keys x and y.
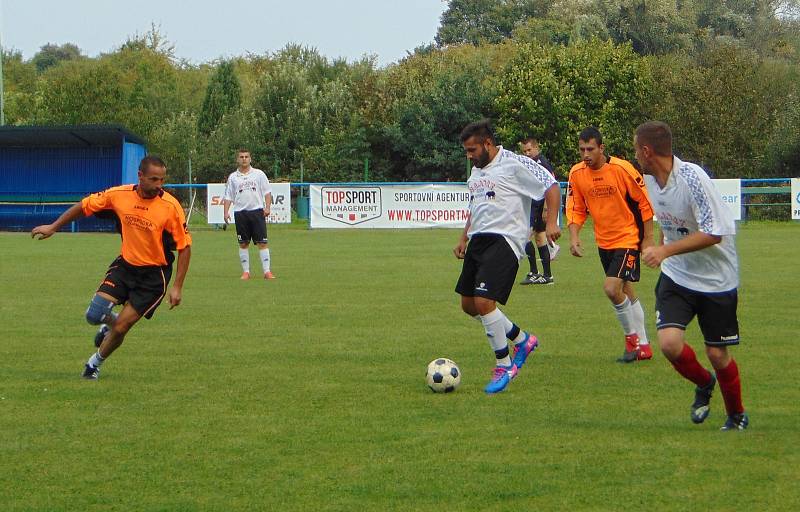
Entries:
{"x":99,"y":311}
{"x":121,"y":328}
{"x":613,"y":292}
{"x":468,"y":306}
{"x":670,"y":343}
{"x":718,"y":356}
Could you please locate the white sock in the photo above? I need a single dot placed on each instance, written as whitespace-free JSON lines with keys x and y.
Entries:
{"x":264,"y":253}
{"x":638,"y":316}
{"x":244,"y":257}
{"x":493,"y":325}
{"x":625,"y":316}
{"x":95,"y":361}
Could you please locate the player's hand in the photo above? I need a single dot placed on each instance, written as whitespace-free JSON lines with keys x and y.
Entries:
{"x":174,"y":297}
{"x":653,"y":256}
{"x":575,"y":249}
{"x":44,"y":231}
{"x":266,"y":212}
{"x":460,"y":250}
{"x":227,"y":218}
{"x":553,"y":232}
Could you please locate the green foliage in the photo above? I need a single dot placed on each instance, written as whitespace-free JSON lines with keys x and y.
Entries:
{"x":223,"y":95}
{"x":552,"y":93}
{"x":50,"y":55}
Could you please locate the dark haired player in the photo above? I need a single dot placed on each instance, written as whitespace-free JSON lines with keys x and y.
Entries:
{"x":501,"y":187}
{"x":613,"y":192}
{"x":699,"y":271}
{"x":152,"y":225}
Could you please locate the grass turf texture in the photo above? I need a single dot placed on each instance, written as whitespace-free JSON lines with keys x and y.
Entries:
{"x":308,"y":392}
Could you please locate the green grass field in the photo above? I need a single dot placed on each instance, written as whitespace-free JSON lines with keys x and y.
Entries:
{"x":308,"y":392}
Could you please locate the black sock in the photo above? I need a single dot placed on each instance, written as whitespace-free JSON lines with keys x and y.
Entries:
{"x":531,"y":257}
{"x":544,"y":254}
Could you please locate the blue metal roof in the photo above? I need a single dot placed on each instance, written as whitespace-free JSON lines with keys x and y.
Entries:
{"x":67,"y":136}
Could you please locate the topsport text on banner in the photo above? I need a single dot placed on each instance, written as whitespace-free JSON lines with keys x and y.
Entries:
{"x":280,"y":211}
{"x":389,"y":206}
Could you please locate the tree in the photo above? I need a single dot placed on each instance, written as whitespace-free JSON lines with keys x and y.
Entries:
{"x":50,"y":54}
{"x":223,"y":95}
{"x":552,"y":93}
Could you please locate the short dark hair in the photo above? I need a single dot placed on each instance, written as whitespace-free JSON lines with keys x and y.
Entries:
{"x":149,"y":160}
{"x":657,"y":135}
{"x":481,"y":129}
{"x":529,"y":140}
{"x":589,"y":133}
{"x":243,"y":150}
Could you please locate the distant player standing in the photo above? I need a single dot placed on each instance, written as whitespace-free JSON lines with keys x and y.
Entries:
{"x":699,"y":271}
{"x":152,"y":225}
{"x":613,"y":192}
{"x":250,"y":193}
{"x":547,"y":250}
{"x":501,"y":187}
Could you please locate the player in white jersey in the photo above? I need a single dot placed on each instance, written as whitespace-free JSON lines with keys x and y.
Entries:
{"x":699,"y":271}
{"x":501,"y":187}
{"x":250,"y":193}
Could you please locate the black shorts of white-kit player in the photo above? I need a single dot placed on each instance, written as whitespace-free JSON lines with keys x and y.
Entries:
{"x":676,"y":306}
{"x":141,"y":287}
{"x":621,"y":263}
{"x":489,"y":270}
{"x":251,"y":225}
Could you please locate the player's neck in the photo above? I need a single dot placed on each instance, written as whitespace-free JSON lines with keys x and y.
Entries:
{"x":600,"y":164}
{"x":244,"y":170}
{"x":662,"y":167}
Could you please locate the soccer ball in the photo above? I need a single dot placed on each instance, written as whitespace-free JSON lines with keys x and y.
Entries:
{"x":443,"y":375}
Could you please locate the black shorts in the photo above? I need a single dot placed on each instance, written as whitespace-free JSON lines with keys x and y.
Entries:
{"x":141,"y":287}
{"x":716,"y":312}
{"x":621,"y":263}
{"x":537,"y":216}
{"x":489,"y":270}
{"x":251,"y":225}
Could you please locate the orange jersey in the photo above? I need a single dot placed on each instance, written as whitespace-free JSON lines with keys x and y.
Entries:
{"x":151,"y":228}
{"x":617,"y":199}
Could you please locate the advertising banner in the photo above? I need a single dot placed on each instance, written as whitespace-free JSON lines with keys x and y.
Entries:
{"x":280,"y":212}
{"x":389,"y":206}
{"x":795,"y":198}
{"x":731,"y":191}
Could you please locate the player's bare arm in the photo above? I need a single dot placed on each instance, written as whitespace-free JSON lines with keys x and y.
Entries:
{"x":647,"y":239}
{"x":184,"y":255}
{"x":552,"y":199}
{"x":74,"y":212}
{"x":461,"y":248}
{"x":654,"y":255}
{"x":575,"y":247}
{"x":226,"y":204}
{"x":268,"y":204}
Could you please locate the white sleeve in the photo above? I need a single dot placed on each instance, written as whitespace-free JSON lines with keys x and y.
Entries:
{"x":266,"y":187}
{"x":533,"y":179}
{"x":710,"y":212}
{"x":230,"y":193}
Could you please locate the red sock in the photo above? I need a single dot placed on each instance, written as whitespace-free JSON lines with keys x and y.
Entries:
{"x":731,"y":388}
{"x":688,"y":366}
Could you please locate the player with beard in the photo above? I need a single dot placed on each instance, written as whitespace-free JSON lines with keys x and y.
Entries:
{"x":501,"y":185}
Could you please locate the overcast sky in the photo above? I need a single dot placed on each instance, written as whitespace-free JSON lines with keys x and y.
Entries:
{"x":204,"y":30}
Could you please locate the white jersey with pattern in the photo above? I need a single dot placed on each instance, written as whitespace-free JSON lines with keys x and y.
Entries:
{"x":688,"y":203}
{"x":246,"y":191}
{"x":500,"y":197}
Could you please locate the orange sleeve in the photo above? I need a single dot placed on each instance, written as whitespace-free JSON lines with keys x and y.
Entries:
{"x":176,"y":225}
{"x":576,"y":204}
{"x":95,"y":203}
{"x":636,"y":188}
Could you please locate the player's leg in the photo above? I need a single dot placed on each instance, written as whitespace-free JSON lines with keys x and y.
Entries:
{"x":113,"y":290}
{"x":243,"y":236}
{"x":260,"y":238}
{"x":621,"y":268}
{"x":530,"y":278}
{"x":116,"y":335}
{"x":544,"y":255}
{"x":639,"y":324}
{"x":675,"y":308}
{"x":720,"y":327}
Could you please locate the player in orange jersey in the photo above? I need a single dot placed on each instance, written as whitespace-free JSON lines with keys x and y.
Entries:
{"x":614,"y":192}
{"x":152,"y":225}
